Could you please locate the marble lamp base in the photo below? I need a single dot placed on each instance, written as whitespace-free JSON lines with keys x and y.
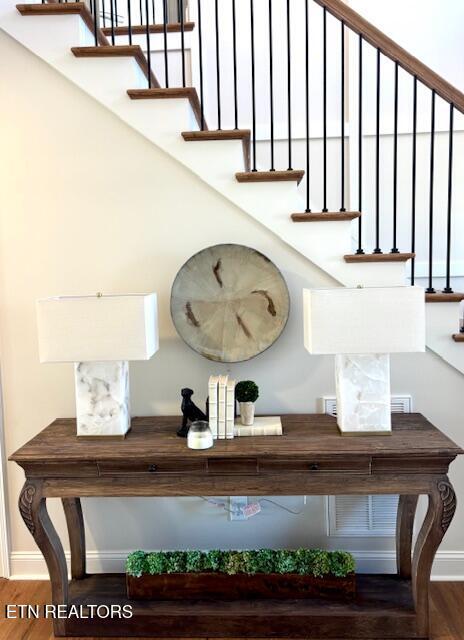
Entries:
{"x":363,"y":394}
{"x":102,"y":398}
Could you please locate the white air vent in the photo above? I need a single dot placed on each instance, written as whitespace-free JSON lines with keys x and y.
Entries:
{"x":363,"y":515}
{"x":399,"y":404}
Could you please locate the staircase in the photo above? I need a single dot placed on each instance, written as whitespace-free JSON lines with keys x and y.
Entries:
{"x":131,"y":62}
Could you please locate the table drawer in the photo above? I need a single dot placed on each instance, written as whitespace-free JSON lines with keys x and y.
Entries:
{"x":316,"y":465}
{"x":61,"y":469}
{"x":152,"y":467}
{"x":228,"y":466}
{"x":425,"y":464}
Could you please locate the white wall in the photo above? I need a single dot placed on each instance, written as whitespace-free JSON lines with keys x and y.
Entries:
{"x":432,"y":31}
{"x":89,"y":205}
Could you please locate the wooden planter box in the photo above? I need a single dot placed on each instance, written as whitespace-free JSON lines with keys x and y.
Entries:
{"x":220,"y":586}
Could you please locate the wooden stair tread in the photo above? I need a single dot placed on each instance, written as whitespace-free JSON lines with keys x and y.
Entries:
{"x":270,"y":176}
{"x":59,"y":9}
{"x":53,"y":9}
{"x":444,"y":297}
{"x":458,"y":337}
{"x":117,"y":51}
{"x":379,"y":257}
{"x":140,"y":29}
{"x":161,"y":93}
{"x":328,"y":216}
{"x":228,"y":134}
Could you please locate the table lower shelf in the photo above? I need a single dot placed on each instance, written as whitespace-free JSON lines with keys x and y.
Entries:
{"x":383,"y":608}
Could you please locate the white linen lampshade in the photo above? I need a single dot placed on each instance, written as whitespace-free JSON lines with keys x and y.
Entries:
{"x":364,"y":320}
{"x":97,"y":328}
{"x":361,"y":327}
{"x":100,"y":334}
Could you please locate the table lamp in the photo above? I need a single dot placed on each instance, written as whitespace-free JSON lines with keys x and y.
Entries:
{"x":100,"y":334}
{"x":361,"y":327}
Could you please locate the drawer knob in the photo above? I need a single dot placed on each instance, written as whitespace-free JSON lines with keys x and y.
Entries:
{"x":314,"y":466}
{"x":152,"y":468}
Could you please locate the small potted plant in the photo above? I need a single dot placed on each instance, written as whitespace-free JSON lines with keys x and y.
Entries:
{"x":246,"y":393}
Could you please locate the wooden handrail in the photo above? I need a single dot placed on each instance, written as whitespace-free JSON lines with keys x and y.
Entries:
{"x":392,"y":50}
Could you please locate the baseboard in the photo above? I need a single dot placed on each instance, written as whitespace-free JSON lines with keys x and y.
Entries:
{"x":31,"y":565}
{"x":448,"y":565}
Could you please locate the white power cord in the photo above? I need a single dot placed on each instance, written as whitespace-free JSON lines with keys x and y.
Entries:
{"x":251,"y":511}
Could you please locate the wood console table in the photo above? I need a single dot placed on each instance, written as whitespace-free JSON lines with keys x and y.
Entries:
{"x":310,"y":459}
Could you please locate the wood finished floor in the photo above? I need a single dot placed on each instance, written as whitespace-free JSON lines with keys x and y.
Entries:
{"x":447,"y":610}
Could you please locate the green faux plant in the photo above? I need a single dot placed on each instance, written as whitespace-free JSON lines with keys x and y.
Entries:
{"x":311,"y":562}
{"x":137,"y":563}
{"x":246,"y":391}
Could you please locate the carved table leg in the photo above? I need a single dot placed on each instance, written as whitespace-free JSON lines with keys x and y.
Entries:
{"x":75,"y":521}
{"x":442,"y":506}
{"x":404,"y":528}
{"x":33,"y":509}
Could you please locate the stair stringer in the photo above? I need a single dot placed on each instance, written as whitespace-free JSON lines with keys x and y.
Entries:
{"x":214,"y":162}
{"x":442,"y":320}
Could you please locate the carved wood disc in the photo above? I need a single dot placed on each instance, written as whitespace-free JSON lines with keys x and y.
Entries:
{"x":229,"y":303}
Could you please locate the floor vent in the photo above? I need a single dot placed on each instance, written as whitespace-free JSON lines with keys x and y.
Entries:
{"x":373,"y":516}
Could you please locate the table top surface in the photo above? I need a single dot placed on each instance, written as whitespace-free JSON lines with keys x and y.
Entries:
{"x":304,"y":435}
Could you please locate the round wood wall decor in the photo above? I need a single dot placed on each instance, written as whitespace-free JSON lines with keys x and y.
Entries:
{"x":229,"y":303}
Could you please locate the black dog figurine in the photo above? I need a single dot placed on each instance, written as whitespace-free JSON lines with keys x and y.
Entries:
{"x":190,"y":412}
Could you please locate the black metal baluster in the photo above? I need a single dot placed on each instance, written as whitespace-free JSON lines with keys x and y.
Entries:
{"x":91,"y":7}
{"x":96,"y":25}
{"x":165,"y":32}
{"x":112,"y":22}
{"x":253,"y":88}
{"x":116,"y":12}
{"x":448,"y":288}
{"x":182,"y":39}
{"x":200,"y":60}
{"x":395,"y":165}
{"x":129,"y":21}
{"x":377,"y":161}
{"x":308,"y":180}
{"x":104,"y":13}
{"x":414,"y":174}
{"x":147,"y":31}
{"x":342,"y":119}
{"x":271,"y":86}
{"x":430,"y":288}
{"x":218,"y":65}
{"x":289,"y":88}
{"x":324,"y":109}
{"x":234,"y":54}
{"x":152,"y":11}
{"x":360,"y":250}
{"x":141,"y":11}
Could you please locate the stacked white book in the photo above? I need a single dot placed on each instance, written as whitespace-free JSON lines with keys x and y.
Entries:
{"x":213,"y":405}
{"x":262,"y":426}
{"x":221,"y":391}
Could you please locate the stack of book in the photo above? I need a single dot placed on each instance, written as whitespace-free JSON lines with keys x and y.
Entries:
{"x":262,"y":426}
{"x":221,"y":392}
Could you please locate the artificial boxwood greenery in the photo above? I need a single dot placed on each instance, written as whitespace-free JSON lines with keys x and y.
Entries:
{"x":246,"y":391}
{"x":312,"y":562}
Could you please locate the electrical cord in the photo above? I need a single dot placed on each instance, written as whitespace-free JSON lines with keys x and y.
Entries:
{"x":217,"y":503}
{"x":281,"y":506}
